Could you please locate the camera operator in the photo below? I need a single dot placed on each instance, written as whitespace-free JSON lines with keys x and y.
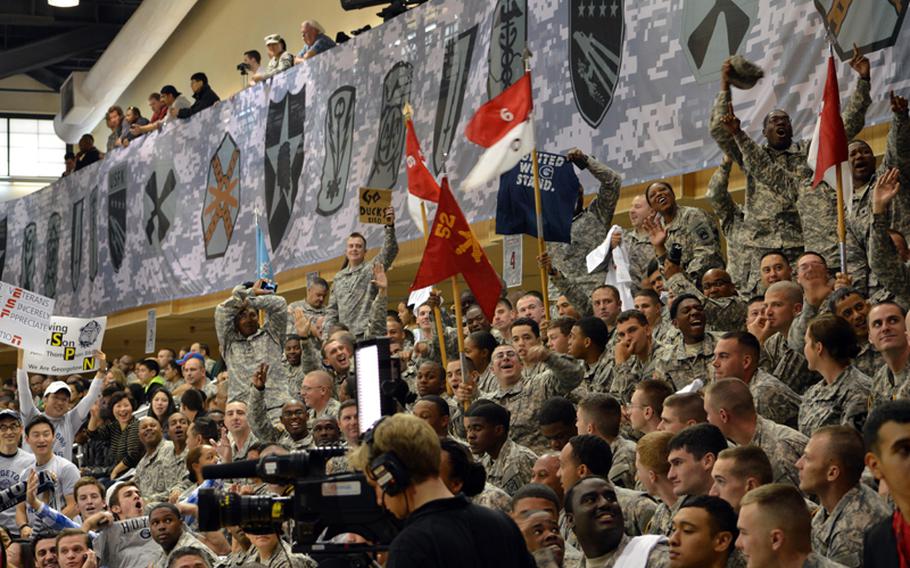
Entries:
{"x":252,"y":59}
{"x":400,"y":459}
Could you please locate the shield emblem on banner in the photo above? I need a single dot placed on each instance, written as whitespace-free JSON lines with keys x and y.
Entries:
{"x":283,"y":161}
{"x":93,"y":234}
{"x":713,"y":31}
{"x":222,"y":198}
{"x":596,"y":32}
{"x":116,"y":215}
{"x":160,"y":203}
{"x":870,"y":25}
{"x":396,"y":90}
{"x":508,"y":40}
{"x":54,"y":227}
{"x":455,"y":68}
{"x":76,"y":244}
{"x":29,"y":245}
{"x":339,"y":139}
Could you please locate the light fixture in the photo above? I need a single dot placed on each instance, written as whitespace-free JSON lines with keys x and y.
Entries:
{"x":63,"y":3}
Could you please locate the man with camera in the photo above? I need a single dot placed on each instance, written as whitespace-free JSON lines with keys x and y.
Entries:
{"x":400,"y":458}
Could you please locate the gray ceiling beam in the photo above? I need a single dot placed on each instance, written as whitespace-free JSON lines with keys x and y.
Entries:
{"x":55,"y":49}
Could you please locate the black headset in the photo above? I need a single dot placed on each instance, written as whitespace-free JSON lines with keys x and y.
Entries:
{"x":388,"y":471}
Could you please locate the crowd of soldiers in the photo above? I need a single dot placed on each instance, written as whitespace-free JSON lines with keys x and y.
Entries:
{"x":725,"y":408}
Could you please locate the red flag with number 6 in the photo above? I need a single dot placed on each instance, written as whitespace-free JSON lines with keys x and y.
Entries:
{"x":451,"y":249}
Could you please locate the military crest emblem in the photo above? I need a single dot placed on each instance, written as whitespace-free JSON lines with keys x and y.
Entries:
{"x":116,"y":215}
{"x":870,"y":25}
{"x":283,"y":161}
{"x":93,"y":234}
{"x":339,"y":141}
{"x":222,"y":198}
{"x":596,"y":33}
{"x":160,"y":203}
{"x":508,"y":40}
{"x":396,"y":90}
{"x":455,"y":66}
{"x":54,"y":228}
{"x":714,"y":31}
{"x":76,"y":244}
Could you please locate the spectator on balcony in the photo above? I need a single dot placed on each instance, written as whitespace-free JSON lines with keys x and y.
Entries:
{"x":159,"y":108}
{"x":133,"y":117}
{"x":117,"y":125}
{"x":315,"y":39}
{"x":88,"y":154}
{"x":170,"y":98}
{"x":202,"y":92}
{"x":69,"y":160}
{"x":279,"y":58}
{"x":252,"y":60}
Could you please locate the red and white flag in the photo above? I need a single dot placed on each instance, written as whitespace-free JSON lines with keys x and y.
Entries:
{"x":504,"y":126}
{"x":829,"y":142}
{"x":421,"y":182}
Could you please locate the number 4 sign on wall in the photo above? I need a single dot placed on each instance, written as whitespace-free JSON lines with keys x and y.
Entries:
{"x":511,"y":260}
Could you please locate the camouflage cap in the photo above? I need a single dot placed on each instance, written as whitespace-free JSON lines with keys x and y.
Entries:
{"x":743,"y":73}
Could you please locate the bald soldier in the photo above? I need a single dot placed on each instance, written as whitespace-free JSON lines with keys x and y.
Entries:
{"x":316,"y":392}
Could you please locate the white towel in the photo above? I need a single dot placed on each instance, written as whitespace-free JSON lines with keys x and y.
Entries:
{"x":635,"y":554}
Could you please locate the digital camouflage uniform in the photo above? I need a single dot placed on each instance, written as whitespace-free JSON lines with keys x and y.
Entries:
{"x":773,"y":399}
{"x":838,"y":535}
{"x":722,"y":314}
{"x":512,"y":469}
{"x":629,"y":373}
{"x":330,"y":411}
{"x":676,"y":365}
{"x":771,"y":213}
{"x":640,"y":253}
{"x":295,"y":375}
{"x":186,"y":540}
{"x":156,"y":474}
{"x":493,"y":497}
{"x":263,"y":428}
{"x":742,"y":263}
{"x":787,"y":364}
{"x":888,"y":385}
{"x":845,"y":401}
{"x":560,"y":375}
{"x":664,"y":332}
{"x":308,"y":310}
{"x":658,"y":557}
{"x":662,"y":520}
{"x":352,"y":294}
{"x":622,"y":474}
{"x":244,"y":354}
{"x":868,"y":360}
{"x":589,"y":229}
{"x":816,"y":560}
{"x":696,"y":231}
{"x":599,"y":376}
{"x":783,"y":446}
{"x":885,"y":262}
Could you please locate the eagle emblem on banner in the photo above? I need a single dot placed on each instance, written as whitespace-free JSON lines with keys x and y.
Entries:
{"x":596,"y":32}
{"x":222,"y":198}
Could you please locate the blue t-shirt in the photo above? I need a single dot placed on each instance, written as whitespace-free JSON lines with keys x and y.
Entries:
{"x":322,"y":43}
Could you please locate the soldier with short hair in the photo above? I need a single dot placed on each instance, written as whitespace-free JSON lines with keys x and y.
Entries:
{"x":508,"y":464}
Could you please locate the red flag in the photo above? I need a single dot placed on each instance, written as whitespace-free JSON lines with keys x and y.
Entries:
{"x":504,"y":127}
{"x":452,"y":248}
{"x":421,"y":182}
{"x":829,"y":144}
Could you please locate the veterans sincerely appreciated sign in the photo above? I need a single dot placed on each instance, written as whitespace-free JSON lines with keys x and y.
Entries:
{"x":69,"y":347}
{"x":24,"y":317}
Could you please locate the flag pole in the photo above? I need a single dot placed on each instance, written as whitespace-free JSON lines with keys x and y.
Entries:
{"x":841,"y":223}
{"x":541,"y":244}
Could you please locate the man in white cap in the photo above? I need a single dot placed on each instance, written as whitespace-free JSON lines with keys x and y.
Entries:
{"x":57,"y":397}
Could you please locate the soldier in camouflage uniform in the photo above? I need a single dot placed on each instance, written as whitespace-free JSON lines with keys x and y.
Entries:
{"x":737,"y":355}
{"x":848,"y":507}
{"x":523,"y":395}
{"x":689,"y":357}
{"x":291,"y":364}
{"x":588,"y":343}
{"x":852,"y":305}
{"x":887,"y":333}
{"x":693,"y":229}
{"x":771,"y":216}
{"x":157,"y":470}
{"x":724,"y":309}
{"x":508,"y":465}
{"x":352,"y":296}
{"x":244,"y":345}
{"x":730,"y":407}
{"x":294,"y":435}
{"x":842,"y":396}
{"x":637,"y":241}
{"x":313,"y":305}
{"x":884,"y":259}
{"x":589,"y":228}
{"x":740,"y":264}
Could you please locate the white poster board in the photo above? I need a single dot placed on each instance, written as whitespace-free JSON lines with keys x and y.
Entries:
{"x":69,"y":347}
{"x":24,"y":317}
